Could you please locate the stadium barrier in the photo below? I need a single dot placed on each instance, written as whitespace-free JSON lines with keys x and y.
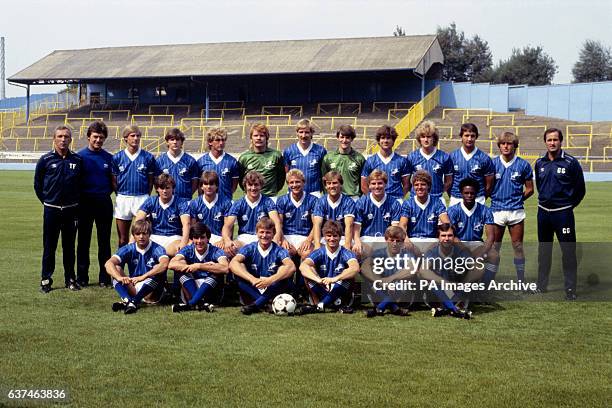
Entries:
{"x":316,"y":121}
{"x":136,"y":119}
{"x":354,"y":108}
{"x":516,"y":129}
{"x":167,"y":108}
{"x":14,"y":132}
{"x":187,"y":123}
{"x":444,"y":136}
{"x":467,"y":111}
{"x":571,"y":137}
{"x":250,"y":120}
{"x":82,"y":120}
{"x":414,"y":116}
{"x":64,"y":117}
{"x":110,"y":112}
{"x":297,"y":110}
{"x":380,"y":106}
{"x":466,"y":117}
{"x":222,"y":112}
{"x":392,"y":113}
{"x":225,"y":104}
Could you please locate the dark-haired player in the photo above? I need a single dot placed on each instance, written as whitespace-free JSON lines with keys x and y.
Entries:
{"x":394,"y":165}
{"x":179,"y":164}
{"x":201,"y":267}
{"x":346,"y":161}
{"x":470,"y":161}
{"x":209,"y":208}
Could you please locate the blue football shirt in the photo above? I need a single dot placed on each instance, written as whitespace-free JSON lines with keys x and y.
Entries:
{"x":183,"y":170}
{"x":132,"y":172}
{"x":226,"y":167}
{"x":165,"y":218}
{"x":328,"y":264}
{"x":247,"y":213}
{"x":297,"y":215}
{"x":510,"y":178}
{"x":395,"y":166}
{"x":328,"y":210}
{"x":211,"y":214}
{"x":140,"y":261}
{"x":422,"y":218}
{"x":309,"y":162}
{"x":375,"y":217}
{"x":260,"y":263}
{"x":438,"y":164}
{"x":476,"y":165}
{"x":192,"y":256}
{"x":470,"y":224}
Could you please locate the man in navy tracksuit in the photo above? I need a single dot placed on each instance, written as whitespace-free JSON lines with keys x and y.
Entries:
{"x":57,"y":181}
{"x":95,"y":204}
{"x":561,"y":187}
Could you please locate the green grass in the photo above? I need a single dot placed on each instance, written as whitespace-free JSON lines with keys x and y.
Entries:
{"x":538,"y":354}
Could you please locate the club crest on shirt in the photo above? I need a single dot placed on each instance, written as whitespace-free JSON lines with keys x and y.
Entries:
{"x":460,"y":224}
{"x":200,"y":216}
{"x":254,"y":267}
{"x":339,"y":268}
{"x":166,"y":171}
{"x":150,"y":262}
{"x":431,"y":218}
{"x":294,"y":162}
{"x":288,"y":214}
{"x":122,"y":168}
{"x":478,"y":226}
{"x":105,"y":165}
{"x":352,"y":166}
{"x":154,"y":216}
{"x":394,"y":172}
{"x":269,"y":165}
{"x":436,"y":168}
{"x":475,"y":168}
{"x":413,"y":220}
{"x":332,"y":165}
{"x":141,"y":168}
{"x":172,"y":218}
{"x":419,"y":167}
{"x":218,"y":216}
{"x":313,"y":163}
{"x":183,"y":171}
{"x":260,"y":215}
{"x":370,"y":216}
{"x":515,"y":175}
{"x":272,"y":269}
{"x":387,"y":217}
{"x":323,"y":267}
{"x":456,"y":167}
{"x":245,"y":217}
{"x":305,"y":215}
{"x":225,"y":171}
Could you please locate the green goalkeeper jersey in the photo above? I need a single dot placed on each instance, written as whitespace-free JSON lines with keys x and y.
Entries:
{"x":269,"y":164}
{"x":349,"y":165}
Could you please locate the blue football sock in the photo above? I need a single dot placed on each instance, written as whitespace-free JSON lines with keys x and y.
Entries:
{"x":190,"y":285}
{"x":440,"y":294}
{"x":122,"y":290}
{"x":489,"y":275}
{"x":200,"y":293}
{"x":519,"y":265}
{"x":331,"y":296}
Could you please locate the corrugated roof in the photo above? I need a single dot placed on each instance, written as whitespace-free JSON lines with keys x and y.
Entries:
{"x":237,"y":58}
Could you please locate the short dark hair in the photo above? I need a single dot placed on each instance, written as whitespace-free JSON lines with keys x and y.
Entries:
{"x":209,"y":177}
{"x":346,"y":130}
{"x":164,"y":181}
{"x":199,"y":230}
{"x":444,"y":227}
{"x":386,"y":130}
{"x":553,"y":130}
{"x":97,"y":127}
{"x":469,"y":182}
{"x":332,"y":227}
{"x":468,"y":127}
{"x":175,"y":133}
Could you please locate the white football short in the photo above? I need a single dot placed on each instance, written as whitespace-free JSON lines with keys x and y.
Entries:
{"x":503,"y":218}
{"x":126,"y":207}
{"x":165,"y":241}
{"x":246,"y":238}
{"x":295,"y":240}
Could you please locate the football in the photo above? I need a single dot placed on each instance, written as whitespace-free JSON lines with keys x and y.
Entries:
{"x":283,"y":305}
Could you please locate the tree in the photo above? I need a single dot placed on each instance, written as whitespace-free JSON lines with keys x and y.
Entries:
{"x":529,"y":65}
{"x":399,"y":32}
{"x":465,"y":59}
{"x":594,"y":63}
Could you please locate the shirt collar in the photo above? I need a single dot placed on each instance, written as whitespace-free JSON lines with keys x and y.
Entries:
{"x":332,"y":255}
{"x":422,"y":206}
{"x":304,"y":151}
{"x":211,"y":204}
{"x":378,"y":203}
{"x":467,"y":156}
{"x":385,"y":160}
{"x":130,"y":156}
{"x":262,"y":252}
{"x":428,"y":156}
{"x":468,"y":212}
{"x":143,"y":251}
{"x":331,"y":203}
{"x":297,"y":204}
{"x":505,"y":163}
{"x":165,"y":206}
{"x":177,"y":158}
{"x":201,"y":257}
{"x":255,"y":204}
{"x":214,"y":159}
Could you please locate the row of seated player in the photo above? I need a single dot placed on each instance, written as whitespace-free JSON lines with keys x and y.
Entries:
{"x":264,"y":270}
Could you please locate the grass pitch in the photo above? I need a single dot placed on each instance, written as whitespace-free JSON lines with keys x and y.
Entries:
{"x":540,"y":354}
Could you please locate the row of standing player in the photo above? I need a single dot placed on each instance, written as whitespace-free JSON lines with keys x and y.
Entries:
{"x":467,"y":161}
